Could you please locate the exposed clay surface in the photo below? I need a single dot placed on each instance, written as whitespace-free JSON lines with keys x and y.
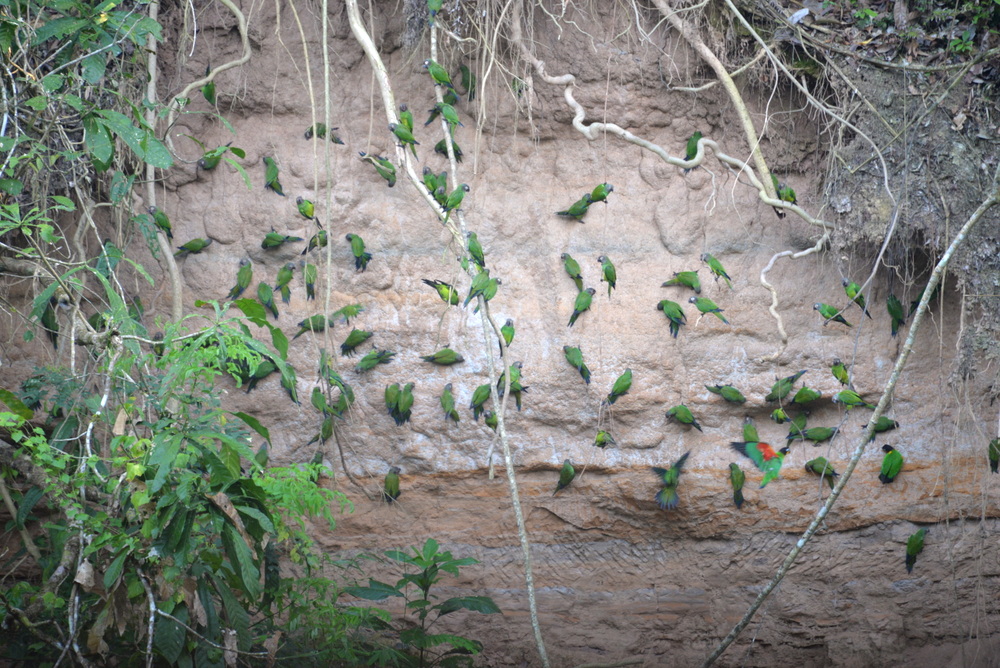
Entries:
{"x":616,"y":576}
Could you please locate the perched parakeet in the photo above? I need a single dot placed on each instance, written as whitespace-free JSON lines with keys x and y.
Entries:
{"x":916,"y":302}
{"x":716,"y":268}
{"x":347,"y":312}
{"x":784,"y":193}
{"x":468,"y":82}
{"x":815,"y":434}
{"x":578,"y":209}
{"x":691,"y":150}
{"x":806,"y":395}
{"x":289,"y":381}
{"x":683,"y":414}
{"x":507,"y":332}
{"x":620,"y":388}
{"x":310,"y":275}
{"x":450,"y":116}
{"x":314,"y":323}
{"x":853,"y":292}
{"x":161,"y":221}
{"x":319,"y":131}
{"x":448,"y":404}
{"x":430,"y":179}
{"x":822,"y":468}
{"x":405,"y":137}
{"x":265,"y":295}
{"x":895,"y":312}
{"x":263,"y":369}
{"x":475,"y":249}
{"x":600,"y":193}
{"x":271,"y":176}
{"x":353,"y":340}
{"x":993,"y":452}
{"x":883,"y":424}
{"x":582,"y":304}
{"x":687,"y":279}
{"x":373,"y":358}
{"x":444,"y":357}
{"x":445,"y":291}
{"x":727,"y":392}
{"x":193,"y":247}
{"x":442,"y":148}
{"x":325,"y":432}
{"x":449,"y":97}
{"x":390,"y":488}
{"x":318,"y":400}
{"x":159,"y":347}
{"x":491,"y":419}
{"x":317,"y":240}
{"x":829,"y":313}
{"x":736,"y":479}
{"x":780,"y":416}
{"x":406,"y":118}
{"x":892,"y":464}
{"x":781,"y":388}
{"x":706,"y":305}
{"x":433,"y":7}
{"x":284,"y":278}
{"x":398,"y":402}
{"x":851,"y":399}
{"x":750,"y":430}
{"x":50,"y":324}
{"x":796,"y":426}
{"x":384,"y":167}
{"x":274,"y":240}
{"x":575,"y":358}
{"x":243,"y":277}
{"x":305,"y":207}
{"x":211,"y":159}
{"x":455,"y":200}
{"x":482,"y":285}
{"x":667,"y":497}
{"x":839,"y":371}
{"x":438,"y":74}
{"x":674,"y":313}
{"x":764,"y":458}
{"x":603,"y":439}
{"x":608,"y":273}
{"x":566,"y":475}
{"x":208,"y":90}
{"x":572,"y":268}
{"x":361,"y":257}
{"x":914,"y":546}
{"x":479,"y":397}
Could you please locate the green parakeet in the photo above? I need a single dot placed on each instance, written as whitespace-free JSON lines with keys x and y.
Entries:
{"x":883,"y":424}
{"x":442,"y":148}
{"x":716,"y":268}
{"x":305,"y":207}
{"x":603,"y":439}
{"x":508,"y":332}
{"x":482,"y":285}
{"x":895,"y":312}
{"x":314,"y":323}
{"x":284,"y":278}
{"x":325,"y":432}
{"x":266,"y":297}
{"x":398,"y":402}
{"x":581,"y":304}
{"x":289,"y":381}
{"x":706,"y":305}
{"x":271,"y":176}
{"x":319,"y":131}
{"x":433,"y":7}
{"x":449,"y":97}
{"x":243,"y":277}
{"x":620,"y":388}
{"x":347,"y":312}
{"x":468,"y":82}
{"x":438,"y":74}
{"x":406,"y":118}
{"x":192,"y":247}
{"x":445,"y":291}
{"x":310,"y":275}
{"x":566,"y":475}
{"x":491,"y":419}
{"x":736,"y":479}
{"x":317,"y":240}
{"x":211,"y":159}
{"x":796,"y":426}
{"x":780,"y":416}
{"x":687,"y":279}
{"x":667,"y":497}
{"x":682,"y":414}
{"x":892,"y":464}
{"x":575,"y":358}
{"x":475,"y":249}
{"x":750,"y":430}
{"x":578,"y":209}
{"x":450,"y":116}
{"x":50,"y":324}
{"x":390,"y":488}
{"x":822,"y":468}
{"x":361,"y":257}
{"x":914,"y":546}
{"x":608,"y":273}
{"x":839,"y":371}
{"x":691,"y":150}
{"x":572,"y":268}
{"x":479,"y":397}
{"x":161,"y":221}
{"x":455,"y":200}
{"x":851,"y":399}
{"x":405,"y":137}
{"x":373,"y":358}
{"x":208,"y":90}
{"x":448,"y":404}
{"x":815,"y":434}
{"x":806,"y":395}
{"x":674,"y":313}
{"x":274,"y":240}
{"x":764,"y":458}
{"x":993,"y":452}
{"x":353,"y":340}
{"x":600,"y":193}
{"x":916,"y":302}
{"x":781,"y":388}
{"x":829,"y":313}
{"x":727,"y":392}
{"x":853,"y":292}
{"x":444,"y":357}
{"x":384,"y":167}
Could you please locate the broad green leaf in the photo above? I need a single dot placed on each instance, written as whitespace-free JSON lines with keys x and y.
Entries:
{"x":11,"y":186}
{"x":27,"y":504}
{"x":280,"y":342}
{"x":52,"y":83}
{"x":162,"y":457}
{"x":238,"y":617}
{"x":243,"y":172}
{"x":92,"y":67}
{"x":254,"y":424}
{"x":242,"y":561}
{"x":63,"y":203}
{"x":59,"y":28}
{"x":37,"y":103}
{"x":97,"y":140}
{"x":253,"y":310}
{"x":265,"y":522}
{"x":375,"y":591}
{"x":168,"y":638}
{"x":238,"y":152}
{"x":142,"y":143}
{"x":115,"y":569}
{"x":121,"y":186}
{"x":482,"y":604}
{"x":15,"y":405}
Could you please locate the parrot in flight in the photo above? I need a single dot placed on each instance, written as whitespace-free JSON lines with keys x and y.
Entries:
{"x":764,"y":458}
{"x":667,"y":497}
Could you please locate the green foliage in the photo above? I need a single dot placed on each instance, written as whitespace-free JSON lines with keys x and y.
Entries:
{"x":427,"y":566}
